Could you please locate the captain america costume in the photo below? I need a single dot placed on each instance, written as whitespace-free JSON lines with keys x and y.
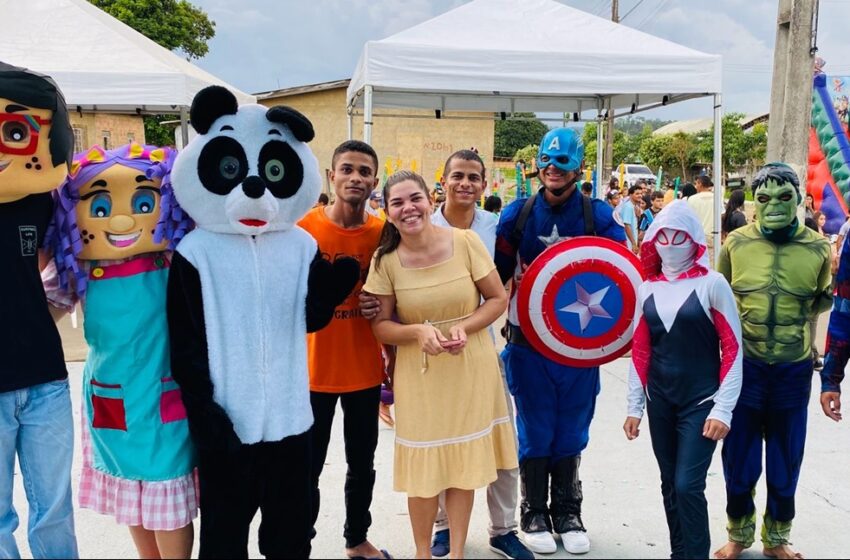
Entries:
{"x":545,"y":226}
{"x":554,"y":403}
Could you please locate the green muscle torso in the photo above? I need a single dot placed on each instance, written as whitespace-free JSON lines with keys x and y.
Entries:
{"x":778,"y":288}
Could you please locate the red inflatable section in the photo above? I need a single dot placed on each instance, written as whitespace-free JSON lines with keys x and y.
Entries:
{"x":819,"y":183}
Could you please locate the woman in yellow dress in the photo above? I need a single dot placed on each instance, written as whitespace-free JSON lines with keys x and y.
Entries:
{"x":452,"y":426}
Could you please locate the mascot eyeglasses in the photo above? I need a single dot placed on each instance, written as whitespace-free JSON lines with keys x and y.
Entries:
{"x":19,"y":133}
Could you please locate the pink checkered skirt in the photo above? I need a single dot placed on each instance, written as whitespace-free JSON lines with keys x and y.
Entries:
{"x":157,"y":506}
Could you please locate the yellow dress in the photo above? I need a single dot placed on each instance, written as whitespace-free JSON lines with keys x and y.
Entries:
{"x":452,"y":424}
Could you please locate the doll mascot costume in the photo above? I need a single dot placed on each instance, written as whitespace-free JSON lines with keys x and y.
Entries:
{"x":685,"y":368}
{"x":780,"y":273}
{"x":114,"y":227}
{"x":245,"y":288}
{"x":36,"y":145}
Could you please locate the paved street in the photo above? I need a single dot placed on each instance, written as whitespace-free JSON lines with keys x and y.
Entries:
{"x":623,"y":510}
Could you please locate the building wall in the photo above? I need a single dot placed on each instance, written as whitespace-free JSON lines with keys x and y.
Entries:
{"x":400,"y":142}
{"x":91,"y":128}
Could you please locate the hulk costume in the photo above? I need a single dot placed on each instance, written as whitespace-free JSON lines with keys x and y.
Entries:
{"x":780,"y":274}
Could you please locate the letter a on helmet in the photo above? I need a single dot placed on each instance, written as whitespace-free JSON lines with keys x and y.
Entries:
{"x":561,"y":147}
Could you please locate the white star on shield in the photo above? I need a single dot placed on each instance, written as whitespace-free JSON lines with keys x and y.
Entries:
{"x":587,"y":306}
{"x":553,"y":238}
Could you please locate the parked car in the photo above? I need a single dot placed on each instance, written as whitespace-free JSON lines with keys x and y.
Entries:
{"x":635,"y":171}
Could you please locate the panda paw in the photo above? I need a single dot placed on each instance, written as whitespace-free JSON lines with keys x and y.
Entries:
{"x":333,"y":282}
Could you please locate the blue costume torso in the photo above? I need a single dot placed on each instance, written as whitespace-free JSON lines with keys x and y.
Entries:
{"x":555,"y":403}
{"x":134,"y":408}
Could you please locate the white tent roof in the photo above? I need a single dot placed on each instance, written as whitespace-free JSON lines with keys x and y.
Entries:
{"x":99,"y":62}
{"x":528,"y":55}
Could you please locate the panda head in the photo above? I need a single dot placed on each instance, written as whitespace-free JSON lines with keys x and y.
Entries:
{"x":249,"y":170}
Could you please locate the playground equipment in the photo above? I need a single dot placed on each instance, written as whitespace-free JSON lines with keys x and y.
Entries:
{"x":828,"y":178}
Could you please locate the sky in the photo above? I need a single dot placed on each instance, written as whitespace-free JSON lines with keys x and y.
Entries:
{"x":262,"y":45}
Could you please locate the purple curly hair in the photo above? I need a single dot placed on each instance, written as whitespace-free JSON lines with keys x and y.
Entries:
{"x":63,"y":236}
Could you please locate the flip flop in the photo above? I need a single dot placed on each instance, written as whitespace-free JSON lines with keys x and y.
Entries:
{"x":384,"y":556}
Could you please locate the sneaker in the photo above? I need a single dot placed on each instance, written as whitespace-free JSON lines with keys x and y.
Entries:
{"x":541,"y":542}
{"x":510,"y":546}
{"x":441,"y":544}
{"x":576,"y":542}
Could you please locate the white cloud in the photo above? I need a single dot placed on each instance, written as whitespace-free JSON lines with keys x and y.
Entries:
{"x":265,"y":44}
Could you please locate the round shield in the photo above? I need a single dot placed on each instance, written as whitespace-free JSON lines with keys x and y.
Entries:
{"x":576,"y":302}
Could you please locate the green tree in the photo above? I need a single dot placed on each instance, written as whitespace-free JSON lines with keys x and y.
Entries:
{"x":625,"y":148}
{"x":527,"y":154}
{"x":511,"y":135}
{"x":635,"y":125}
{"x":656,"y":151}
{"x":159,"y":134}
{"x":174,"y":24}
{"x":741,"y":149}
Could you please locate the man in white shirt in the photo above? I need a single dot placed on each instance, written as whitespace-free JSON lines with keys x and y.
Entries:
{"x":629,"y":212}
{"x":703,"y":204}
{"x":463,"y":182}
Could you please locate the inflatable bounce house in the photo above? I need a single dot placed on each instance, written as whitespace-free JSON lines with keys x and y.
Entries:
{"x":829,"y":150}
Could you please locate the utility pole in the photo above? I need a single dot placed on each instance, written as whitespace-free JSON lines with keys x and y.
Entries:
{"x":791,"y":92}
{"x":609,"y":133}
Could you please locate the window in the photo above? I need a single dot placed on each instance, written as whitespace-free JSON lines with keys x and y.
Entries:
{"x":107,"y":136}
{"x":131,"y":137}
{"x":79,"y":145}
{"x":639,"y":169}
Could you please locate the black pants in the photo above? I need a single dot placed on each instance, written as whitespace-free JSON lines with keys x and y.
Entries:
{"x":271,"y":476}
{"x":683,"y":456}
{"x":360,"y":429}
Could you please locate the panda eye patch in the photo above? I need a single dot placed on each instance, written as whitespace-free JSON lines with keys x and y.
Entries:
{"x":281,"y":169}
{"x":222,"y":165}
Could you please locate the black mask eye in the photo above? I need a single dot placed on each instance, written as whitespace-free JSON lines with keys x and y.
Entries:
{"x":222,"y":165}
{"x":281,"y":169}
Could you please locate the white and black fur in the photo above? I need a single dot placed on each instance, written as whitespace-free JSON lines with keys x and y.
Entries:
{"x":247,"y":284}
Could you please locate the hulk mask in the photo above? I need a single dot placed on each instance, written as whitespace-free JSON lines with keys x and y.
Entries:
{"x":776,"y":194}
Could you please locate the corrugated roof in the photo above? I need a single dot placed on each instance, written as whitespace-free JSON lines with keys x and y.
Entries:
{"x":297,"y":90}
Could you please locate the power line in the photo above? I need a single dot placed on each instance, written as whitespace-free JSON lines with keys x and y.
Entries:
{"x":652,"y":14}
{"x":635,"y":7}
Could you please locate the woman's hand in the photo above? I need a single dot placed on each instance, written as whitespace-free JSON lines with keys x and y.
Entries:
{"x":715,"y":429}
{"x":631,"y":427}
{"x":430,"y":340}
{"x":457,"y":340}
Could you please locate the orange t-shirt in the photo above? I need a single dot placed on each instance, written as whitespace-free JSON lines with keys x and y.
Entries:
{"x":344,"y":356}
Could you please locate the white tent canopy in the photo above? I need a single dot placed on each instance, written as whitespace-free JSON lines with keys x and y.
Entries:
{"x":507,"y":56}
{"x":528,"y":55}
{"x":99,"y":63}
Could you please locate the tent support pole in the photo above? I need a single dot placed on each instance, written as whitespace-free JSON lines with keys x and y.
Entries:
{"x":600,"y":192}
{"x":719,"y":186}
{"x":367,"y":114}
{"x":350,"y":125}
{"x":184,"y":126}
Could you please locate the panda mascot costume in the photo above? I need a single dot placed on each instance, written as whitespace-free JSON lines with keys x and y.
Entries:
{"x":245,"y":288}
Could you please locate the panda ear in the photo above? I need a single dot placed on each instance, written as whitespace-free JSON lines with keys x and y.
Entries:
{"x":300,"y":125}
{"x":209,"y":104}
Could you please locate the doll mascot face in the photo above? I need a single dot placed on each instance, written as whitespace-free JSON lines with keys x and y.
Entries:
{"x":36,"y":139}
{"x":119,"y":207}
{"x":115,"y":205}
{"x":776,"y":191}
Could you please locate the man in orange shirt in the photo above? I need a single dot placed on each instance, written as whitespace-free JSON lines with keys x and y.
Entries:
{"x":344,"y":358}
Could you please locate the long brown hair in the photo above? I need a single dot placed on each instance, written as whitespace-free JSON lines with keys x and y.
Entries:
{"x":390,"y":236}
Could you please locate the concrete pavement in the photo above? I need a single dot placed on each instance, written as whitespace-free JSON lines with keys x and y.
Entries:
{"x":622,"y":508}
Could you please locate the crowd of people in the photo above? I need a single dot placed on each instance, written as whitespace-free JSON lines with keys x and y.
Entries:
{"x":210,"y":387}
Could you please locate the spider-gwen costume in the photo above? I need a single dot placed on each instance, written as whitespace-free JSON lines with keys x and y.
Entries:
{"x":686,"y":367}
{"x":554,"y":402}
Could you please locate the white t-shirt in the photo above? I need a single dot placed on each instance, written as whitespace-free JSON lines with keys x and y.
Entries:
{"x":703,"y":204}
{"x":484,"y":224}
